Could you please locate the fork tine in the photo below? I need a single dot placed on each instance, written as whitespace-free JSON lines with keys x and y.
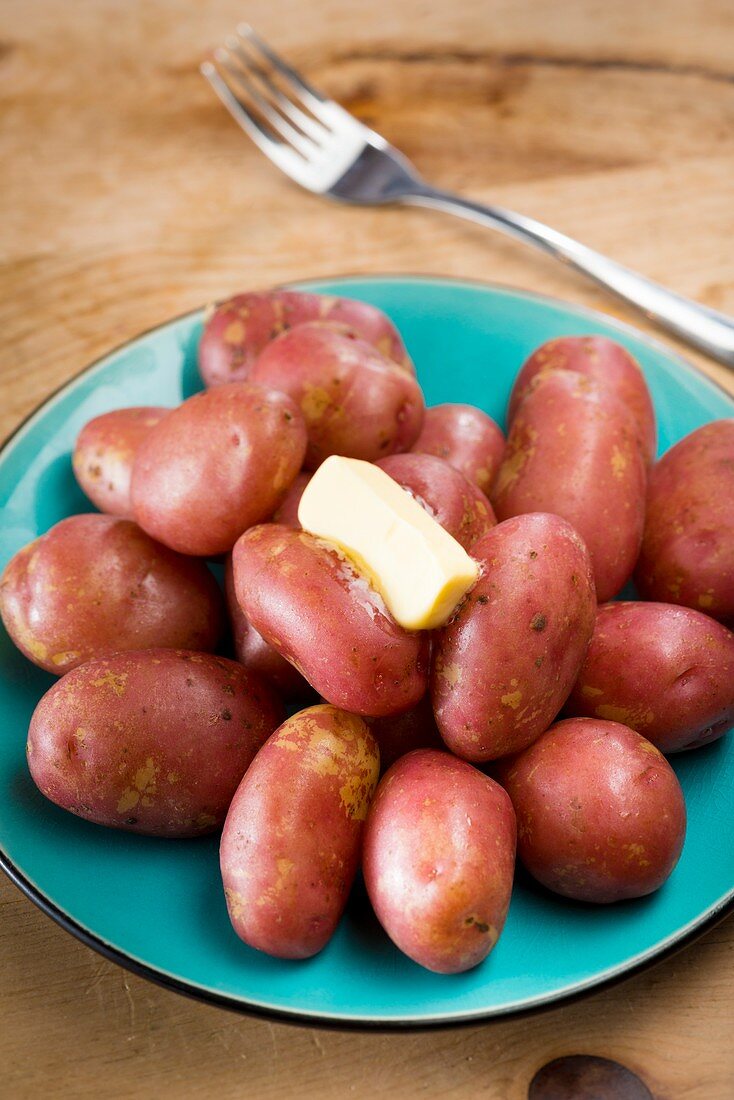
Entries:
{"x":308,"y":94}
{"x":307,"y":124}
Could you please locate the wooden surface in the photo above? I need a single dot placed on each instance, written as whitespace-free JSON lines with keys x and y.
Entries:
{"x":130,"y":197}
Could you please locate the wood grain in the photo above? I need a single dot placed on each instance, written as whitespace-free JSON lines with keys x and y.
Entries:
{"x":130,"y":197}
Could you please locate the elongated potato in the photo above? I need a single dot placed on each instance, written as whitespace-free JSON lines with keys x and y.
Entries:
{"x":104,"y":453}
{"x":96,"y":584}
{"x":291,"y":843}
{"x":287,"y":510}
{"x":399,"y":734}
{"x":308,"y":602}
{"x":572,"y":450}
{"x":439,"y":855}
{"x":504,"y":665}
{"x":154,"y":741}
{"x":466,"y":438}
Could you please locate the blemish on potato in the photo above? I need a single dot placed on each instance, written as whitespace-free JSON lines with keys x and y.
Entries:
{"x":511,"y":699}
{"x":589,"y":692}
{"x":450,"y":673}
{"x":114,"y":680}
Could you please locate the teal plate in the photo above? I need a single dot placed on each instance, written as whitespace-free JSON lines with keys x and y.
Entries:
{"x":156,"y":906}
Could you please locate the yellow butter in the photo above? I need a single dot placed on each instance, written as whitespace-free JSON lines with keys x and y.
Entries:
{"x":419,"y":569}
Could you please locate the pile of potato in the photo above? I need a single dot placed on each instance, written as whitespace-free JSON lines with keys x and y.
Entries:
{"x":150,"y":729}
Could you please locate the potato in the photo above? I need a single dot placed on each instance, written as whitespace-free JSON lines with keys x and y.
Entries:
{"x":96,"y":584}
{"x":154,"y":741}
{"x":399,"y":734}
{"x":572,"y":451}
{"x":466,"y":438}
{"x":216,"y":465}
{"x":504,"y":665}
{"x":449,"y":497}
{"x":287,"y":510}
{"x":687,"y":552}
{"x":241,"y":327}
{"x":104,"y":453}
{"x":291,"y":842}
{"x":604,"y":361}
{"x":355,"y":401}
{"x":439,"y":855}
{"x":665,"y":671}
{"x":322,"y":615}
{"x":600,"y":813}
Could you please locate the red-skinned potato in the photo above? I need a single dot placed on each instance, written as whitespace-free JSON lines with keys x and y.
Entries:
{"x":665,"y":671}
{"x":104,"y":453}
{"x":449,"y":497}
{"x":572,"y":451}
{"x":355,"y":401}
{"x":291,"y":843}
{"x":439,"y":856}
{"x":239,"y":329}
{"x":505,"y":663}
{"x":96,"y":584}
{"x":687,"y":554}
{"x":608,"y":364}
{"x":310,"y":603}
{"x":466,"y":438}
{"x":154,"y":741}
{"x":287,"y":511}
{"x":216,"y":465}
{"x":600,"y":812}
{"x":399,"y":734}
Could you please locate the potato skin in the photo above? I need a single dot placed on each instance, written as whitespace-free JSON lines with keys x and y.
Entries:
{"x":505,"y":664}
{"x":572,"y":451}
{"x":152,"y":742}
{"x":287,"y":510}
{"x":95,"y":584}
{"x":104,"y":453}
{"x":449,"y":497}
{"x":604,"y":361}
{"x":399,"y":734}
{"x":687,"y":554}
{"x":665,"y":671}
{"x":355,"y":401}
{"x":216,"y":465}
{"x":600,"y":812}
{"x":292,"y":839}
{"x":311,"y":605}
{"x":241,"y":327}
{"x":439,"y":856}
{"x":466,"y":438}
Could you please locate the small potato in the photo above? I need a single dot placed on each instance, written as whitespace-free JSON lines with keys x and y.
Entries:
{"x":241,"y":327}
{"x":466,"y":438}
{"x":355,"y":401}
{"x":310,"y":603}
{"x":505,"y":664}
{"x":96,"y":584}
{"x":572,"y":450}
{"x":439,"y":856}
{"x":154,"y":741}
{"x":291,"y":843}
{"x":104,"y":453}
{"x":600,"y":812}
{"x":399,"y":734}
{"x":287,"y":511}
{"x":687,"y":552}
{"x":449,"y":497}
{"x":665,"y":671}
{"x":216,"y":465}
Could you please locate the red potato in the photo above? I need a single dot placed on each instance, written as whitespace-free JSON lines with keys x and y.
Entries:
{"x":572,"y":451}
{"x":449,"y":497}
{"x":311,"y":604}
{"x":104,"y":453}
{"x":687,"y":554}
{"x":466,"y":438}
{"x":291,"y":843}
{"x":355,"y":401}
{"x":239,"y":329}
{"x":665,"y":671}
{"x":399,"y":734}
{"x":216,"y":465}
{"x":96,"y":584}
{"x":600,"y":812}
{"x":154,"y":741}
{"x":439,"y":856}
{"x":505,"y":663}
{"x":604,"y":361}
{"x":287,"y":511}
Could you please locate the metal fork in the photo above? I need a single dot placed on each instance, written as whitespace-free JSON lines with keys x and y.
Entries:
{"x":328,"y":151}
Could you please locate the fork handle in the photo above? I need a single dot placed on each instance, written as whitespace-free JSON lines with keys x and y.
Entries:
{"x":706,"y":329}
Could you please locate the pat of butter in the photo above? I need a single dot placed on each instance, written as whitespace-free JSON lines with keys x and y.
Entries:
{"x":419,"y":569}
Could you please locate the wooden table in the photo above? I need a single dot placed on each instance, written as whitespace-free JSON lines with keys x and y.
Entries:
{"x":130,"y":197}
